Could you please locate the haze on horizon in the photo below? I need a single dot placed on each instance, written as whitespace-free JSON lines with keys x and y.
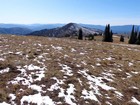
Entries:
{"x":100,"y":12}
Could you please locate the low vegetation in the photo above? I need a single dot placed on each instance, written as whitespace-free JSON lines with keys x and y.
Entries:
{"x":54,"y":71}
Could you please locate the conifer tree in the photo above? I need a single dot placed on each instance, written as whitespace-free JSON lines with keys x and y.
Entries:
{"x":111,"y":37}
{"x":105,"y":34}
{"x":108,"y":35}
{"x":132,"y":36}
{"x":138,"y":39}
{"x":80,"y":36}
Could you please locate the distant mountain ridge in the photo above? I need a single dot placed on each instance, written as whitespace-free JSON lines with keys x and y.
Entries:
{"x":15,"y":30}
{"x":33,"y":27}
{"x":70,"y":29}
{"x":36,"y":27}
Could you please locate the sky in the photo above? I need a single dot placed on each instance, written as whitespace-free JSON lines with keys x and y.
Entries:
{"x":98,"y":12}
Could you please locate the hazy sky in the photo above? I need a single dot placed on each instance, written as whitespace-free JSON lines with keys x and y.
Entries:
{"x":101,"y":12}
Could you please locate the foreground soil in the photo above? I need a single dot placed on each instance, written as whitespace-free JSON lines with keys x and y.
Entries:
{"x":51,"y":71}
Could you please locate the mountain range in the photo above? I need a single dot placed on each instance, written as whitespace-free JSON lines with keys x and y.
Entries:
{"x":25,"y":29}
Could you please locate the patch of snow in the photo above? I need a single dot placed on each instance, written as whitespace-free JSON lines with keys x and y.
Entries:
{"x":69,"y":97}
{"x":134,"y":87}
{"x":18,"y":53}
{"x":32,"y":67}
{"x":109,"y":58}
{"x":35,"y":87}
{"x":89,"y":95}
{"x":97,"y":81}
{"x":13,"y":97}
{"x":40,"y":57}
{"x":128,"y":75}
{"x":38,"y":99}
{"x":27,"y":78}
{"x":84,"y":62}
{"x":39,"y":45}
{"x":40,"y":75}
{"x":129,"y":49}
{"x":4,"y":70}
{"x":66,"y":56}
{"x":119,"y":69}
{"x":130,"y":64}
{"x":107,"y":76}
{"x":80,"y":81}
{"x":10,"y":52}
{"x":73,"y":50}
{"x":135,"y":72}
{"x":108,"y":103}
{"x":92,"y":66}
{"x":4,"y":103}
{"x":56,"y":85}
{"x":66,"y":69}
{"x":119,"y":95}
{"x":98,"y":59}
{"x":82,"y":53}
{"x":134,"y":100}
{"x":57,"y":47}
{"x":2,"y":59}
{"x":78,"y":65}
{"x":98,"y":64}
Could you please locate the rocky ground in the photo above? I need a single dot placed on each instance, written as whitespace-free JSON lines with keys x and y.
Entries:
{"x":51,"y":71}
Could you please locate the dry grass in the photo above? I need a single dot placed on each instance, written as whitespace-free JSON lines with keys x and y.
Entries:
{"x":93,"y":56}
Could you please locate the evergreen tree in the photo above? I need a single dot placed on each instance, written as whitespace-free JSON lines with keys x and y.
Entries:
{"x":132,"y":39}
{"x":108,"y":35}
{"x":121,"y":38}
{"x":111,"y":37}
{"x":138,"y":39}
{"x":80,"y":36}
{"x":105,"y":34}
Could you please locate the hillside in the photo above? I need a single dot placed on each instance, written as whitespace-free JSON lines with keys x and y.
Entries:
{"x":15,"y":31}
{"x":54,"y":71}
{"x":70,"y":29}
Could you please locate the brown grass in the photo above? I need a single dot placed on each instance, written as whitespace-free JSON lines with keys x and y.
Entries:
{"x":94,"y":52}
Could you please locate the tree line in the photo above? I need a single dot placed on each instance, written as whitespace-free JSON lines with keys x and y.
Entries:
{"x":108,"y":35}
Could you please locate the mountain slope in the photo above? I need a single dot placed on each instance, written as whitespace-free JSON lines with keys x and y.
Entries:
{"x":56,"y":71}
{"x":69,"y":29}
{"x":15,"y":30}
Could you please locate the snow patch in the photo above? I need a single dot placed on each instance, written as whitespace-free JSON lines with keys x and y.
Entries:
{"x":13,"y":97}
{"x":4,"y":103}
{"x":57,"y":48}
{"x":4,"y":70}
{"x":89,"y":95}
{"x":134,"y":100}
{"x":130,"y":64}
{"x":119,"y":95}
{"x":18,"y":53}
{"x":56,"y":85}
{"x":98,"y":64}
{"x":69,"y":97}
{"x":73,"y":50}
{"x":38,"y":99}
{"x":2,"y":59}
{"x":109,"y":58}
{"x":66,"y":69}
